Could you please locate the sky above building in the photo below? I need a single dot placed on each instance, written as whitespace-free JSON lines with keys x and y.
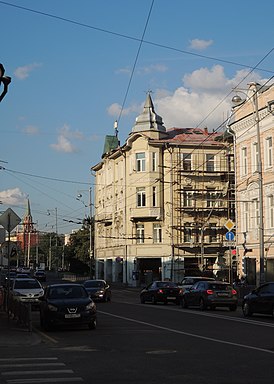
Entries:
{"x":77,"y":66}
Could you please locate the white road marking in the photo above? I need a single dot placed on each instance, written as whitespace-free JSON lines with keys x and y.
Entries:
{"x":190,"y":334}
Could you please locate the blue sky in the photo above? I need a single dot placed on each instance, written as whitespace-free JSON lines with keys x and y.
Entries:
{"x":74,"y":63}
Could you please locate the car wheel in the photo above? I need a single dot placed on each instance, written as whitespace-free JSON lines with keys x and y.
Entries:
{"x":153,"y":300}
{"x":92,"y":324}
{"x":246,"y":309}
{"x":233,"y":307}
{"x":213,"y":307}
{"x":142,"y":299}
{"x":184,"y":303}
{"x":202,"y":304}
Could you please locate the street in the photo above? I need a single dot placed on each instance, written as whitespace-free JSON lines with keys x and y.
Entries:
{"x":142,"y":343}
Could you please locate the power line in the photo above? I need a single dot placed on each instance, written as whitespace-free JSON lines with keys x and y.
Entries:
{"x":130,"y":37}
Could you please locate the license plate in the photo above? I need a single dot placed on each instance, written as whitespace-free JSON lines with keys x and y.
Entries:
{"x":223,"y":294}
{"x":72,"y":315}
{"x":171,"y":297}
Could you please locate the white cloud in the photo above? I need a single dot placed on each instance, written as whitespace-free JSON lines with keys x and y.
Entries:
{"x":115,"y":109}
{"x":152,"y":68}
{"x":199,"y":44}
{"x":13,"y":197}
{"x":22,"y":73}
{"x":64,"y":143}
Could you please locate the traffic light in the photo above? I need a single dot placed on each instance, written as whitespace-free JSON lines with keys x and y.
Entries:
{"x":234,"y":262}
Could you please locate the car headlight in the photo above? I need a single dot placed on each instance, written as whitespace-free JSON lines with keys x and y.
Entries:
{"x":52,"y":308}
{"x":90,"y":306}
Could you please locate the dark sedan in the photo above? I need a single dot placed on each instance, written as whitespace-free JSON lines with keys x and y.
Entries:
{"x":67,"y":304}
{"x":210,"y":294}
{"x":98,"y":290}
{"x":260,"y":300}
{"x":160,"y":291}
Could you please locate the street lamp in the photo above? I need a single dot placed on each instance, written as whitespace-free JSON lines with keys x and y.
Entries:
{"x":237,"y":101}
{"x":5,"y":80}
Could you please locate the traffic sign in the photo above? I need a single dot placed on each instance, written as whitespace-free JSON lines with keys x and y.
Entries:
{"x":229,"y":224}
{"x":9,"y":220}
{"x":229,"y":244}
{"x":229,"y":236}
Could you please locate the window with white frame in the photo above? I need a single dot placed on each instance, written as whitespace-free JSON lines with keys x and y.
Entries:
{"x":210,"y":162}
{"x":186,"y":161}
{"x":187,"y":198}
{"x":245,"y":217}
{"x":157,"y":233}
{"x":243,"y":162}
{"x":154,"y":161}
{"x":140,"y":233}
{"x":256,"y":213}
{"x":140,"y":162}
{"x":141,"y":197}
{"x":268,"y":152}
{"x":255,"y":157}
{"x":270,"y":205}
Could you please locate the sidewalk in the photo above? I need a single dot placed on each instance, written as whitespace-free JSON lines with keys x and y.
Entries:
{"x":13,"y":334}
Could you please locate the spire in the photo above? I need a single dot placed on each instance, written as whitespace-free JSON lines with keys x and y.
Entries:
{"x":27,"y":222}
{"x":148,"y":120}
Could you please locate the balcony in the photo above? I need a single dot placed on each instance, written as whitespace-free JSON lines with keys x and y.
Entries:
{"x":145,"y":213}
{"x":104,"y":218}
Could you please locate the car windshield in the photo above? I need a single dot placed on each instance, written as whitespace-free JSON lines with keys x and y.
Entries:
{"x":26,"y":284}
{"x":94,"y":284}
{"x":67,"y":292}
{"x":219,"y":287}
{"x":167,"y":284}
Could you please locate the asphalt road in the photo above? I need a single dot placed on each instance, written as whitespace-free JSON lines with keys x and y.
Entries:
{"x":143,"y":343}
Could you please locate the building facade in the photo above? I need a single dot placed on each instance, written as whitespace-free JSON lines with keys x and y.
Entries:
{"x":161,"y":202}
{"x":253,"y":127}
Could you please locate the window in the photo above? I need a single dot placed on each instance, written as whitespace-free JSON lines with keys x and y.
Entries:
{"x":140,"y":162}
{"x":154,"y":161}
{"x":187,"y":233}
{"x":256,"y":215}
{"x":270,"y":203}
{"x":210,"y":162}
{"x":255,"y":157}
{"x":243,"y":162}
{"x":154,"y":196}
{"x":211,"y":198}
{"x":187,"y":198}
{"x":245,"y":217}
{"x":141,"y":197}
{"x":140,"y":233}
{"x":212,"y":232}
{"x":269,"y":152}
{"x":157,"y":233}
{"x":186,"y":161}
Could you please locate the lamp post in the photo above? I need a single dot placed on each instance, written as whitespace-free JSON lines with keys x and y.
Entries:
{"x":79,"y":196}
{"x":56,"y":240}
{"x":5,"y":80}
{"x":237,"y":101}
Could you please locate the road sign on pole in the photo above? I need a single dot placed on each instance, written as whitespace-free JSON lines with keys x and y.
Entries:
{"x":229,"y":236}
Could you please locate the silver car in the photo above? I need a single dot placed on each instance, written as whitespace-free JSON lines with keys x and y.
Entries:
{"x":27,"y":290}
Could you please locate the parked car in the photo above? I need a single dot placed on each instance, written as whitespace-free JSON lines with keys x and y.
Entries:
{"x":22,"y":276}
{"x":9,"y":277}
{"x":98,"y":290}
{"x":210,"y":294}
{"x":188,"y":281}
{"x":160,"y":291}
{"x":40,"y":275}
{"x":260,"y":300}
{"x":67,"y":304}
{"x":27,"y":290}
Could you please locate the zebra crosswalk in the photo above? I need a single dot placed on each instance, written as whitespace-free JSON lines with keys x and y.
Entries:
{"x":36,"y":370}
